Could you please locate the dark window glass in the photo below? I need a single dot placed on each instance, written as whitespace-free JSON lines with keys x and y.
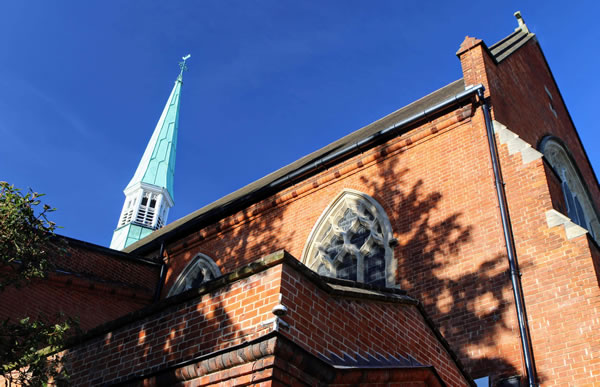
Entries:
{"x":375,"y":266}
{"x":571,"y":211}
{"x":580,"y":216}
{"x":347,"y":268}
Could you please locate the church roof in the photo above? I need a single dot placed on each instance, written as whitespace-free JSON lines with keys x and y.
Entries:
{"x":408,"y":111}
{"x":228,"y":204}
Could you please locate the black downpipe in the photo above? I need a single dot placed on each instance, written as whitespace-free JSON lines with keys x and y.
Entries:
{"x":163,"y":272}
{"x":510,"y":248}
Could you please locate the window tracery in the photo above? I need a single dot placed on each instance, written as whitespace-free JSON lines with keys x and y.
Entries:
{"x":200,"y":270}
{"x":351,"y":241}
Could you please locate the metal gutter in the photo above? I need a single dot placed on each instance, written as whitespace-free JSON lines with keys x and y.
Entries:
{"x":511,"y":252}
{"x":312,"y":168}
{"x":367,"y":142}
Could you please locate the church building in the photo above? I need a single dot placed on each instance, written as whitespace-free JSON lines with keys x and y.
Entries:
{"x":453,"y":242}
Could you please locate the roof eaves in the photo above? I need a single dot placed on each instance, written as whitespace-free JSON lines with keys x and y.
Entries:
{"x":107,"y":251}
{"x":219,"y":208}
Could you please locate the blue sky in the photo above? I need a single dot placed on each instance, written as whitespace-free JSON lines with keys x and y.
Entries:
{"x":82,"y":84}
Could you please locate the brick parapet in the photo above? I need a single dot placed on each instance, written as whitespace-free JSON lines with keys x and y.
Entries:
{"x":228,"y":313}
{"x":439,"y":195}
{"x":161,"y":306}
{"x":100,"y":263}
{"x":218,"y":319}
{"x":89,"y":303}
{"x":341,"y":322}
{"x":475,"y":59}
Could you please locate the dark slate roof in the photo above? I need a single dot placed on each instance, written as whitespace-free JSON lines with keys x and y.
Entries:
{"x":510,"y":44}
{"x":499,"y":51}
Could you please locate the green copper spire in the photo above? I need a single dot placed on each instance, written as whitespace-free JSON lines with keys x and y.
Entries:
{"x":157,"y":166}
{"x":149,"y":194}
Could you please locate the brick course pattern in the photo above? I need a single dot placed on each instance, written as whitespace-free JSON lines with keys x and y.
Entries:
{"x":328,"y":325}
{"x":437,"y":191}
{"x":92,"y":284}
{"x":436,"y":184}
{"x":229,"y":313}
{"x":216,"y":320}
{"x":559,"y":276}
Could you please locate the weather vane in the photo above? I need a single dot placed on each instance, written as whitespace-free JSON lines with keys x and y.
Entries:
{"x":182,"y":65}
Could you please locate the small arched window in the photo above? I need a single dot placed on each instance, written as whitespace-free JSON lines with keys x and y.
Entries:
{"x":580,"y":208}
{"x":200,"y":270}
{"x":351,"y":240}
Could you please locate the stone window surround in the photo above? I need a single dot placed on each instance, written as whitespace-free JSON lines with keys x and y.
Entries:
{"x":560,"y":160}
{"x":202,"y":262}
{"x":345,"y":199}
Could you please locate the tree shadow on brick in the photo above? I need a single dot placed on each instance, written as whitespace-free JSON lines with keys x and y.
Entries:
{"x":255,"y":232}
{"x":157,"y":341}
{"x":471,"y":304}
{"x":194,"y":323}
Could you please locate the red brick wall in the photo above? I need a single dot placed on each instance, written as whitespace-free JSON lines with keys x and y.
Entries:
{"x":558,"y":275}
{"x":219,"y":319}
{"x":91,"y":303}
{"x":92,"y":286}
{"x":188,"y":326}
{"x":438,"y":191}
{"x":326,"y":324}
{"x":439,"y":195}
{"x":520,"y":102}
{"x":106,"y":264}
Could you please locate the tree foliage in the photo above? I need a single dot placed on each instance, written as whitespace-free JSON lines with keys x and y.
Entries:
{"x":25,"y":236}
{"x":27,"y":351}
{"x":27,"y":245}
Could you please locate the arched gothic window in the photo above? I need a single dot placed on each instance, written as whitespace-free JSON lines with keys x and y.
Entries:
{"x":580,"y":208}
{"x":351,"y":240}
{"x":200,"y":270}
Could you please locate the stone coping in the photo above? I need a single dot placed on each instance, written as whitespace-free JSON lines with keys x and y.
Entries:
{"x":335,"y":287}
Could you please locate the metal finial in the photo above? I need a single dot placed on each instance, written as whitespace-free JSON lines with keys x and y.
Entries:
{"x":182,"y":65}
